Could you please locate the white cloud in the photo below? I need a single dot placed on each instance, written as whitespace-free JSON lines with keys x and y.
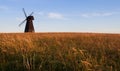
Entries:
{"x":41,"y":13}
{"x":3,"y":8}
{"x":97,"y":14}
{"x":55,"y":16}
{"x":51,"y":15}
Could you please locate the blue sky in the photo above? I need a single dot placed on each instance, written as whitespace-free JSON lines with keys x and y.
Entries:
{"x":101,"y":16}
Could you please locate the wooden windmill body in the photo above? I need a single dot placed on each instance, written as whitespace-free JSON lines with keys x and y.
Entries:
{"x":29,"y":22}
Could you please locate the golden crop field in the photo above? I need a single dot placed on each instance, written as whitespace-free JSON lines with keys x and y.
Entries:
{"x":59,"y":52}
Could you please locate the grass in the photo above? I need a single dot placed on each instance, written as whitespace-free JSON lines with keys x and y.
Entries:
{"x":59,"y":52}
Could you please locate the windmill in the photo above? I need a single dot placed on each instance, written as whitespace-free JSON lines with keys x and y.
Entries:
{"x":29,"y":22}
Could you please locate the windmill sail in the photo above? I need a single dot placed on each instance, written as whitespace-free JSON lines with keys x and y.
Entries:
{"x":24,"y":12}
{"x":22,"y":22}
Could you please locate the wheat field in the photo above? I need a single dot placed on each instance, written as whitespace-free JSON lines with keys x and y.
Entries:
{"x":59,"y":52}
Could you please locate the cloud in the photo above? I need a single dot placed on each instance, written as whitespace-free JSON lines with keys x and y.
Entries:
{"x":55,"y":16}
{"x":41,"y":13}
{"x":3,"y":8}
{"x":97,"y":14}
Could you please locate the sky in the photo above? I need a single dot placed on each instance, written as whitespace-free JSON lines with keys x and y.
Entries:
{"x":97,"y":16}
